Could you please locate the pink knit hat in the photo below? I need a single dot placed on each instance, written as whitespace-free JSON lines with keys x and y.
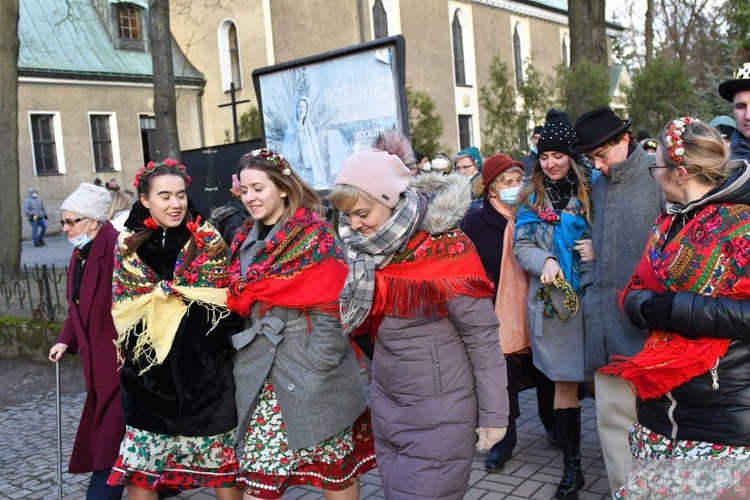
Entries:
{"x":378,"y":173}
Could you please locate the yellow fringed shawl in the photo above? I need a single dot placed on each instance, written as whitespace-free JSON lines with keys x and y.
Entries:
{"x":159,"y":306}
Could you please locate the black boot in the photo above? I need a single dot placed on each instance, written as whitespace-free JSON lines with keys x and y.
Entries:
{"x":568,"y":423}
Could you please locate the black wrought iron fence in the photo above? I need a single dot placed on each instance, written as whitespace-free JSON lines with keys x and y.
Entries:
{"x":37,"y":292}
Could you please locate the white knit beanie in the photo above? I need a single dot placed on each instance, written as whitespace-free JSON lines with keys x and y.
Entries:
{"x":88,"y":200}
{"x":378,"y":173}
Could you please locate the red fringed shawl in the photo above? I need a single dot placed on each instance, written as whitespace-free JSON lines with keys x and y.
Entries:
{"x":710,"y":256}
{"x":301,"y":267}
{"x":433,"y":270}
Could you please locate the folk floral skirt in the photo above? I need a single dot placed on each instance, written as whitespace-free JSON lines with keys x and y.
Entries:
{"x":268,"y":467}
{"x":158,"y":461}
{"x":668,"y":468}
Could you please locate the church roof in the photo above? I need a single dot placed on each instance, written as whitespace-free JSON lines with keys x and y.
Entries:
{"x":71,"y":39}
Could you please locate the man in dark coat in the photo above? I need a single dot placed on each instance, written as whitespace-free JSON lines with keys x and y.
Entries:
{"x":626,"y":201}
{"x":89,"y":331}
{"x":737,"y":91}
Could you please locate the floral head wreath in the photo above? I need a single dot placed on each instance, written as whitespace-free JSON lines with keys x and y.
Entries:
{"x":274,"y":158}
{"x":674,"y":138}
{"x":150,"y":167}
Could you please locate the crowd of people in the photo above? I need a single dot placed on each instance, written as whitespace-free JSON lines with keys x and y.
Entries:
{"x":229,"y":353}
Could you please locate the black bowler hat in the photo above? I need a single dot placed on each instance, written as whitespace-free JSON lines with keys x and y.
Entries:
{"x":741,"y":82}
{"x":596,"y":127}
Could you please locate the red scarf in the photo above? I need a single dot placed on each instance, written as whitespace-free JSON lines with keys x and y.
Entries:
{"x":433,"y":270}
{"x":301,"y":267}
{"x":710,"y":255}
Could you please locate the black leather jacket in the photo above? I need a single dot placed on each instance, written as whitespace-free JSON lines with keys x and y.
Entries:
{"x":713,"y":407}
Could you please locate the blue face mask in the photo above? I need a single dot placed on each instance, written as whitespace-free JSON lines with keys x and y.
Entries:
{"x":80,"y":241}
{"x":509,"y":196}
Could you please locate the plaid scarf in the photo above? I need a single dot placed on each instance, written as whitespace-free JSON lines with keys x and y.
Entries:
{"x":368,"y":253}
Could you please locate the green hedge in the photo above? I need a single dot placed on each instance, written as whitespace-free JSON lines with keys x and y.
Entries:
{"x":23,"y":338}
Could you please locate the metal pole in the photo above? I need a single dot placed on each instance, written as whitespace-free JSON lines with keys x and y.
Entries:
{"x":59,"y":431}
{"x":234,"y":114}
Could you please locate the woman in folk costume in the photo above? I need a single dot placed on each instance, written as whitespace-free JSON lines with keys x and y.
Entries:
{"x":417,"y":289}
{"x":88,"y":331}
{"x":302,"y":412}
{"x":170,"y":311}
{"x":691,"y":292}
{"x":549,"y":244}
{"x":491,"y":229}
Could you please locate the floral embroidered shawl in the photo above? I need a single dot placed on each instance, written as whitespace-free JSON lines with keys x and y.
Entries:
{"x":301,"y":266}
{"x":710,"y":255}
{"x":141,"y":297}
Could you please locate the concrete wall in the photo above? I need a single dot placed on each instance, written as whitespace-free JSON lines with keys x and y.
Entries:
{"x":74,"y":102}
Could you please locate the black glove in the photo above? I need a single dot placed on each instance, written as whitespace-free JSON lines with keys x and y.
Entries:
{"x":46,"y":218}
{"x":657,"y":311}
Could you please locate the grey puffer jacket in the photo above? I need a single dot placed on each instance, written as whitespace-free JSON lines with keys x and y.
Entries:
{"x":436,"y":379}
{"x":624,"y":208}
{"x":311,"y":365}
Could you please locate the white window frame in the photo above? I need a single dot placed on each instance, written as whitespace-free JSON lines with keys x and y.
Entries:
{"x":466,"y":96}
{"x":225,"y":58}
{"x":114,"y":138}
{"x":59,"y":148}
{"x":565,"y":43}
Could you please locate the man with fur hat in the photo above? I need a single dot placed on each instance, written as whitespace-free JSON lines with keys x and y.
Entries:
{"x":737,"y":91}
{"x":626,"y":201}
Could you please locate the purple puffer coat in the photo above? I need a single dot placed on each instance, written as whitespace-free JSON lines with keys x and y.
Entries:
{"x":434,"y":381}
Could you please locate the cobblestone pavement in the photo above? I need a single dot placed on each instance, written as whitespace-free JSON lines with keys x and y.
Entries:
{"x":28,"y":458}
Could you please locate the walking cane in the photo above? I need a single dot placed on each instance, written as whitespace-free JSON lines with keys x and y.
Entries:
{"x":59,"y":431}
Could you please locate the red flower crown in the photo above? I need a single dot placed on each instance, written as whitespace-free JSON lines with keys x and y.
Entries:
{"x":674,"y":138}
{"x":149,"y":168}
{"x":273,"y":157}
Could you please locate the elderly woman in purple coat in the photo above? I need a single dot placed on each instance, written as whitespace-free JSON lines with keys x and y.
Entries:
{"x":89,"y":331}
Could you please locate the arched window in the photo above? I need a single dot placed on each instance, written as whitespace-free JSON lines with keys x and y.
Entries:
{"x":459,"y":66}
{"x":517,"y":57}
{"x":379,"y":20}
{"x":234,"y":57}
{"x":229,"y":56}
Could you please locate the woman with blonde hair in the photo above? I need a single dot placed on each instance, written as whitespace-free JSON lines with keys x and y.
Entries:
{"x":119,"y":208}
{"x":302,"y":412}
{"x":550,"y":242}
{"x":417,"y":293}
{"x":691,"y":291}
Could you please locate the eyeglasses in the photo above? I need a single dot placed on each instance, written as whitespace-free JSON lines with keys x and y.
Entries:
{"x":71,"y":222}
{"x":459,"y":168}
{"x":601,"y":155}
{"x":654,"y":167}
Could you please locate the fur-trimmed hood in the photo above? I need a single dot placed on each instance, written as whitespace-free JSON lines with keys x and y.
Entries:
{"x":449,"y":199}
